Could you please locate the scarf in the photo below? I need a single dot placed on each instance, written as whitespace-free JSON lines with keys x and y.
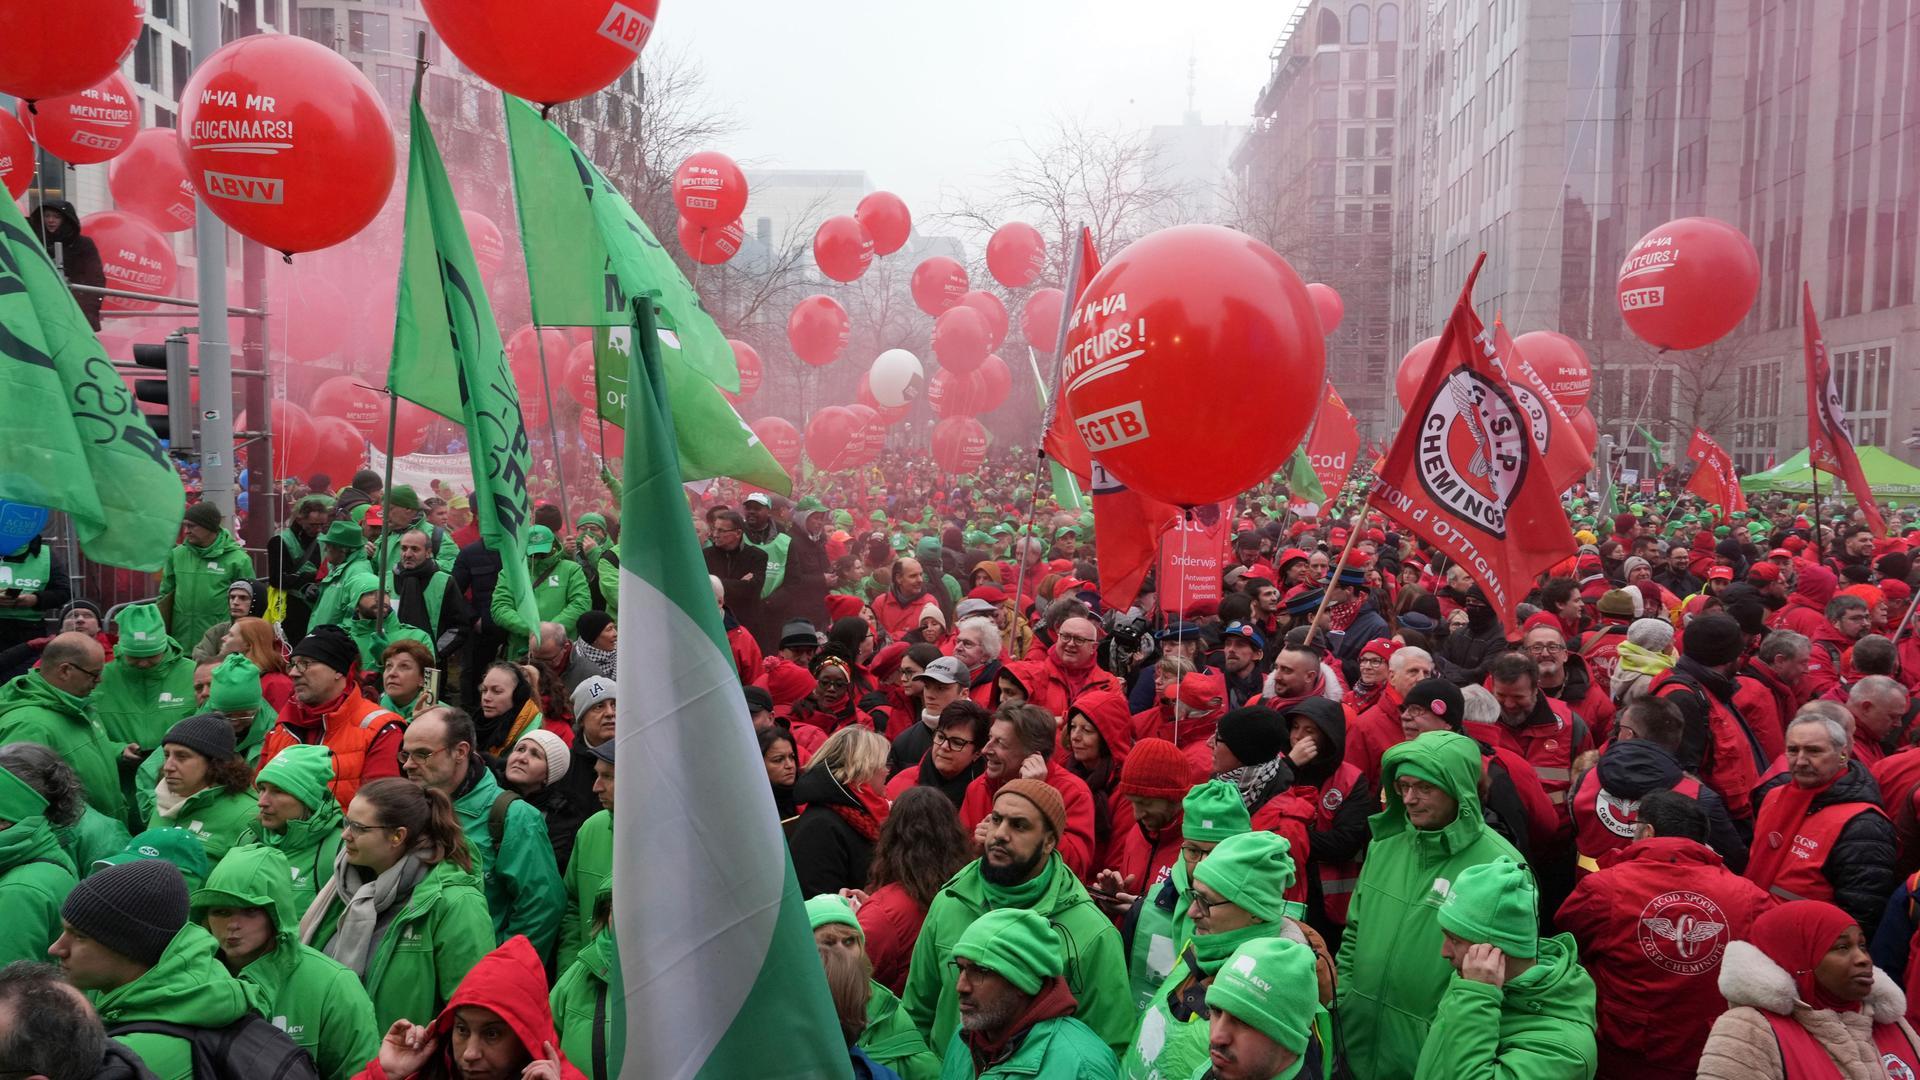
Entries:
{"x":1075,"y":676}
{"x":1642,"y":661}
{"x":866,"y":818}
{"x":301,"y":715}
{"x":165,"y":802}
{"x":1797,"y":936}
{"x":1779,"y":818}
{"x":368,"y":903}
{"x":601,"y":659}
{"x":1023,"y":895}
{"x":1280,"y":703}
{"x":1341,"y":616}
{"x":1253,"y":779}
{"x":1055,"y":999}
{"x":1212,"y":950}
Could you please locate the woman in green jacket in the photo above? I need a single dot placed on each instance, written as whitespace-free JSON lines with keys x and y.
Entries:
{"x":85,"y":834}
{"x":35,"y":875}
{"x":205,"y":786}
{"x":300,"y":818}
{"x":404,"y":909}
{"x":581,"y":995}
{"x":889,"y":1037}
{"x":247,"y":905}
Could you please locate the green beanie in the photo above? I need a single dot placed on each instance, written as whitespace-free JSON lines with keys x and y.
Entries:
{"x":302,"y":771}
{"x":1495,"y":903}
{"x":1252,"y":870}
{"x":591,"y":518}
{"x":1213,"y":811}
{"x":878,"y":517}
{"x":402,"y":496}
{"x":236,"y":685}
{"x":142,"y":632}
{"x":178,"y":846}
{"x":843,"y":520}
{"x":1271,"y":985}
{"x":900,"y":542}
{"x":830,"y":908}
{"x":358,"y":515}
{"x":1015,"y":944}
{"x":1723,"y":531}
{"x":18,"y":800}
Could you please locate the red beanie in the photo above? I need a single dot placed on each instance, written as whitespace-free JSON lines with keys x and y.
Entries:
{"x":1624,"y":523}
{"x":843,"y":606}
{"x":1156,"y":769}
{"x":1546,"y":619}
{"x":786,"y":681}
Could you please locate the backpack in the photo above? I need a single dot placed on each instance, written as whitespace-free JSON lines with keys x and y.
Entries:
{"x":121,"y":1063}
{"x":497,"y":818}
{"x":250,"y":1048}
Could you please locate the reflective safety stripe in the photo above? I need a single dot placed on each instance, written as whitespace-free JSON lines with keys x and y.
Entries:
{"x":1588,"y":863}
{"x":1557,"y":798}
{"x":1338,"y":885}
{"x":1785,"y":894}
{"x":1553,"y":774}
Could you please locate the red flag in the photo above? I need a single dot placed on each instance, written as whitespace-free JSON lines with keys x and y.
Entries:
{"x":1061,"y":442}
{"x":1568,"y":457}
{"x":1464,"y":473}
{"x":1714,"y":480}
{"x":1335,"y":443}
{"x":1829,"y":441}
{"x":1193,"y":549}
{"x":1126,"y":529}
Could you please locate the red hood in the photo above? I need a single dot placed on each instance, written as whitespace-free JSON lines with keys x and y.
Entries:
{"x":510,"y":981}
{"x":1814,"y":587}
{"x":1108,"y":711}
{"x":1028,"y":673}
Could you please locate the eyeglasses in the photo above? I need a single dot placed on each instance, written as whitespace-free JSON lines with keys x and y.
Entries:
{"x":1074,"y":639}
{"x":952,"y":742}
{"x":724,"y":529}
{"x":1406,"y":787}
{"x":831,"y":684}
{"x":405,"y":755}
{"x":91,"y":673}
{"x":358,"y":829}
{"x":1196,"y":851}
{"x":1193,"y":897}
{"x":1549,"y":649}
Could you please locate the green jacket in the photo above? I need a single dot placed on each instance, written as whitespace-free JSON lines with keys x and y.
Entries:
{"x":222,"y":820}
{"x":138,"y":705}
{"x":147,"y":777}
{"x":95,"y":836}
{"x":194,"y":582}
{"x":1540,"y":1026}
{"x":559,"y":591}
{"x":443,"y":555}
{"x":310,"y":846}
{"x":522,"y":880}
{"x":1391,"y":973}
{"x":188,"y":986}
{"x":35,"y":878}
{"x":588,"y":869}
{"x":315,"y":999}
{"x":1166,"y":1047}
{"x":577,"y":998}
{"x":891,"y":1039}
{"x":34,"y":710}
{"x":373,"y":642}
{"x":428,"y":948}
{"x":1162,"y":925}
{"x":1062,"y":1048}
{"x":334,"y":605}
{"x":1096,"y":961}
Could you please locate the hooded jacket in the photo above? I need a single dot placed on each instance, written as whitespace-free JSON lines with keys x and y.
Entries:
{"x":578,"y":999}
{"x":1716,"y":743}
{"x":194,"y":582}
{"x":1591,"y":699}
{"x":829,"y":854}
{"x":1631,"y":769}
{"x":1050,"y":1042}
{"x":509,"y":982}
{"x":1538,"y":1026}
{"x":188,"y":986}
{"x":315,"y":999}
{"x":1343,"y":800}
{"x":79,"y":257}
{"x":522,"y":880}
{"x":310,"y":845}
{"x":559,"y":591}
{"x":589,"y":869}
{"x":426,"y":599}
{"x":1806,"y":608}
{"x":892,"y":1041}
{"x":1392,"y":975}
{"x":139,"y":705}
{"x":1767,"y":703}
{"x":1076,"y":847}
{"x":34,"y":710}
{"x":35,"y":878}
{"x":1107,"y":711}
{"x":1743,"y":1045}
{"x":220,"y":819}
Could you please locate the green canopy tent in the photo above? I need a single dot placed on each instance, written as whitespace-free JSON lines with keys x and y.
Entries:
{"x":1886,"y":475}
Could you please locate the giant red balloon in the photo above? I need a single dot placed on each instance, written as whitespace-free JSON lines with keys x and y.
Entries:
{"x":869,"y":439}
{"x":959,"y":444}
{"x":48,"y":49}
{"x":338,"y":449}
{"x":950,"y":393}
{"x":817,"y":330}
{"x":135,"y":256}
{"x":582,"y":384}
{"x":287,"y":141}
{"x":561,"y":50}
{"x":489,"y":247}
{"x":1412,"y":370}
{"x":709,"y":189}
{"x":345,"y":398}
{"x":149,"y":179}
{"x":938,"y":284}
{"x":989,"y":305}
{"x":781,"y":439}
{"x":830,"y":434}
{"x":1688,"y":283}
{"x":1040,"y":318}
{"x":294,"y":442}
{"x":1561,"y":361}
{"x":961,"y":339}
{"x":994,"y":382}
{"x":410,"y":428}
{"x":747,"y":359}
{"x":1588,"y":429}
{"x":1327,"y":302}
{"x":1194,"y":338}
{"x":88,"y":126}
{"x":711,"y":247}
{"x":1016,"y":253}
{"x":524,"y":357}
{"x":16,"y":156}
{"x":885,"y":217}
{"x":842,"y":249}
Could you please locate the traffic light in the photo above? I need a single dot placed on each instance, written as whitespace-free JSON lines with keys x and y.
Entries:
{"x":174,"y":391}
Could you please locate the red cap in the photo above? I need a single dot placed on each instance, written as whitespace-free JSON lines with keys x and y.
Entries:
{"x":1204,"y":692}
{"x":1795,"y":544}
{"x":1337,"y":537}
{"x":1378,"y":536}
{"x":1780,"y":553}
{"x":373,"y":517}
{"x":1546,"y":619}
{"x":1720,"y":573}
{"x":1764,"y":572}
{"x":1384,"y":648}
{"x":1263,"y":571}
{"x":1060,"y":566}
{"x":988,"y":593}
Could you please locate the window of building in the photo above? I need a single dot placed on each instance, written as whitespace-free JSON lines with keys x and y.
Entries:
{"x":1383,"y":179}
{"x":1382,"y":141}
{"x":143,"y":56}
{"x":1356,"y":65}
{"x":1356,"y":104}
{"x":1356,"y":180}
{"x":1388,"y":23}
{"x":1356,"y":142}
{"x":1325,"y":104}
{"x":368,"y":31}
{"x":1329,"y":28}
{"x":1382,"y":217}
{"x":1326,"y":67}
{"x":1323,"y":141}
{"x":1323,"y":180}
{"x":1359,"y":21}
{"x":1864,"y":376}
{"x":182,"y":67}
{"x":1384,"y":98}
{"x":1350,"y":218}
{"x":316,"y":24}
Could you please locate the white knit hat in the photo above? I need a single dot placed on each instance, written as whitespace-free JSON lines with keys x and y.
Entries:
{"x":559,"y":758}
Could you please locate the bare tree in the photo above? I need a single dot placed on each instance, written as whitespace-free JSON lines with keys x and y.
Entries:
{"x":1268,"y":200}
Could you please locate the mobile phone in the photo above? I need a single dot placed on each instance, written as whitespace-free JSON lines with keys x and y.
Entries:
{"x":432,"y":688}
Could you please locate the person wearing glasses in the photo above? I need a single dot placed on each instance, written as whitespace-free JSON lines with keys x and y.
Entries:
{"x":329,"y":710}
{"x":404,"y":908}
{"x":1541,"y":729}
{"x":1565,"y":676}
{"x":1072,"y":667}
{"x":740,"y":568}
{"x":954,"y":759}
{"x":48,"y":706}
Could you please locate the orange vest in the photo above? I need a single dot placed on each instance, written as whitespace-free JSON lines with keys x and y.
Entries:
{"x":349,"y":730}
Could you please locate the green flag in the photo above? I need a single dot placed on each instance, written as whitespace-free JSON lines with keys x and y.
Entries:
{"x":711,"y":437}
{"x":447,"y":356}
{"x":1302,"y":482}
{"x":1653,"y":448}
{"x":71,"y":437}
{"x":588,"y":251}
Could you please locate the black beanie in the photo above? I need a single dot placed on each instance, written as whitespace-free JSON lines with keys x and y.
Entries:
{"x":331,"y":646}
{"x":208,"y":734}
{"x":134,"y":908}
{"x":591,"y":624}
{"x":1255,"y":734}
{"x":1441,"y":698}
{"x":1713,"y":640}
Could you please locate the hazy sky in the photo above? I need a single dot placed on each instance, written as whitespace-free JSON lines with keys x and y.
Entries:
{"x":926,"y":96}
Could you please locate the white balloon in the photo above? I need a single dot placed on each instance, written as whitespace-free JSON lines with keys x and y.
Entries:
{"x":895,"y":378}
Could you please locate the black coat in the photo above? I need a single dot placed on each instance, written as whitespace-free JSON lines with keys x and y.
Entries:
{"x":475,"y":570}
{"x":1467,"y":653}
{"x":1635,"y":768}
{"x":803,"y":590}
{"x":955,"y":789}
{"x":1861,"y":865}
{"x":828,"y":853}
{"x":78,"y":257}
{"x":732,"y":567}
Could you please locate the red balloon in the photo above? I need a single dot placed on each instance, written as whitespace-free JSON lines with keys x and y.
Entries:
{"x":781,"y":439}
{"x":842,"y":249}
{"x":88,"y":126}
{"x":709,"y":189}
{"x":961,"y":339}
{"x":1016,"y":253}
{"x":817,"y":329}
{"x":288,"y":142}
{"x":1588,"y":429}
{"x":294,"y":442}
{"x":989,"y":305}
{"x":523,"y":356}
{"x":582,"y":386}
{"x":1194,"y":338}
{"x":938,"y":284}
{"x":410,"y":428}
{"x":149,"y":179}
{"x":959,"y":444}
{"x":16,"y":156}
{"x":884,"y":215}
{"x":888,"y":414}
{"x":315,"y":320}
{"x":135,"y":256}
{"x":338,"y":449}
{"x":747,"y":359}
{"x":994,"y":382}
{"x":1688,"y":283}
{"x":345,"y":398}
{"x":869,"y":439}
{"x":489,"y":247}
{"x":1412,"y":370}
{"x":1040,"y":318}
{"x":51,"y":49}
{"x":950,"y":394}
{"x":573,"y":48}
{"x":1561,"y":361}
{"x":830,"y":432}
{"x":711,"y":247}
{"x":1327,"y":302}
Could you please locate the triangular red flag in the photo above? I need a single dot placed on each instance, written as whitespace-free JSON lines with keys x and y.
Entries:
{"x":1464,"y":473}
{"x":1127,"y":527}
{"x":1061,"y":442}
{"x":1568,"y":456}
{"x":1335,"y":443}
{"x":1829,"y":440}
{"x":1714,"y":480}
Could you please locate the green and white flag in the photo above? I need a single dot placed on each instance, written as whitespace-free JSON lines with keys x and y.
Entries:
{"x":1653,"y":448}
{"x":717,"y":976}
{"x":447,"y":356}
{"x":711,"y":437}
{"x":71,"y":437}
{"x":1303,"y":484}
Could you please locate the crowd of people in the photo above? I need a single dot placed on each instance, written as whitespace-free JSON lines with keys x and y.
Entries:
{"x":346,"y":809}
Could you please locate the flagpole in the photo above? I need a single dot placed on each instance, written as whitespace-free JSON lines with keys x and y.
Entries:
{"x":1907,"y":619}
{"x":553,"y":432}
{"x":1814,"y":470}
{"x":1326,"y":591}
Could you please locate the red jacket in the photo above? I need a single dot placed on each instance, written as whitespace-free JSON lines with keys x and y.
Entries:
{"x":1898,"y":775}
{"x":1140,"y":859}
{"x":1060,"y":688}
{"x":1824,"y":661}
{"x":897,"y":616}
{"x":1549,"y":741}
{"x":1586,"y":696}
{"x":511,"y":982}
{"x":1727,"y":761}
{"x":1601,"y":650}
{"x":1290,"y":814}
{"x":746,"y":653}
{"x":891,"y":921}
{"x":1108,"y":712}
{"x":1372,"y":732}
{"x":1767,"y":703}
{"x":1077,"y":846}
{"x":1652,"y":924}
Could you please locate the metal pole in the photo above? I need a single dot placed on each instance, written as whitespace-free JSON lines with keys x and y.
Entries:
{"x":216,"y":361}
{"x":1604,"y":454}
